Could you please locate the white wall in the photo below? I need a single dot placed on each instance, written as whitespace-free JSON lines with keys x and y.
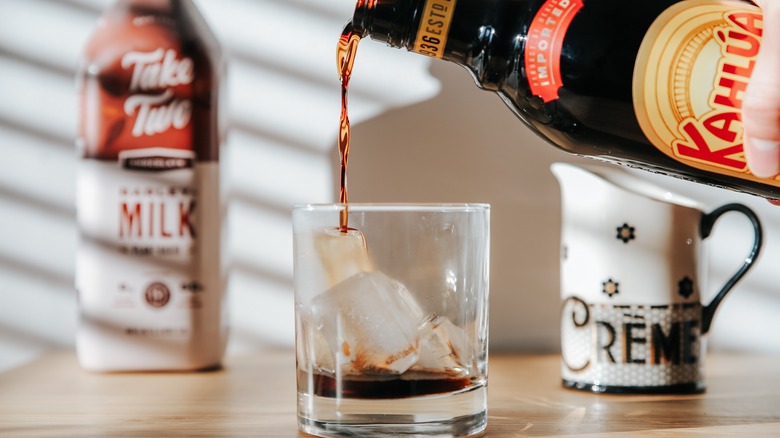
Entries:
{"x":421,"y":132}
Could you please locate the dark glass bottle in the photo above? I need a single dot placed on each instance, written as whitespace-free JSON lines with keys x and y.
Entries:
{"x":654,"y":84}
{"x":148,"y":269}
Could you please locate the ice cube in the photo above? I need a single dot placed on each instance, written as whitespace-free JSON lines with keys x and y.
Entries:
{"x":343,"y":254}
{"x":444,"y":348}
{"x":313,"y":349}
{"x":370,"y":323}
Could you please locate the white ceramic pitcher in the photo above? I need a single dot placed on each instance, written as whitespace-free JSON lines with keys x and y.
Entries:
{"x":632,"y":273}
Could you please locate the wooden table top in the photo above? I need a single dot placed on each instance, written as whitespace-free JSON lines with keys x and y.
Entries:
{"x":254,"y":395}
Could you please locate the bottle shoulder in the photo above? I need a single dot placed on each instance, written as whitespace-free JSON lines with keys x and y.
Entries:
{"x":126,"y":30}
{"x":565,"y":62}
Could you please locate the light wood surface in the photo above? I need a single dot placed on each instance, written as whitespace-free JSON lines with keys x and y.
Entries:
{"x":255,"y":396}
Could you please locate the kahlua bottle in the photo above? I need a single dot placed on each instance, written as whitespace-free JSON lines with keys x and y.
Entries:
{"x":654,"y":84}
{"x":148,"y":275}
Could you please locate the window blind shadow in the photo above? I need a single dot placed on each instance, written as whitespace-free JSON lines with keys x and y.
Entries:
{"x":282,"y":98}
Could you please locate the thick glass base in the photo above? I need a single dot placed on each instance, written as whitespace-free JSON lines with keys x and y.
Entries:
{"x":462,"y":414}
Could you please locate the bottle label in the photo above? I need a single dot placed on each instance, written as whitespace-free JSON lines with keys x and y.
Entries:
{"x":148,"y":265}
{"x":148,"y":252}
{"x":434,"y":28}
{"x":691,"y":72}
{"x":543,"y":46}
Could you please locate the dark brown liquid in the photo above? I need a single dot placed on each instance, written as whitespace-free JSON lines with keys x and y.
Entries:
{"x":345,"y":59}
{"x":366,"y":388}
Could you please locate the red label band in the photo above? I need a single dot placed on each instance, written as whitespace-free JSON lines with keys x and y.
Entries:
{"x":543,"y":46}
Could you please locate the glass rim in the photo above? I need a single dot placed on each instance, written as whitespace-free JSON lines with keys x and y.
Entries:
{"x":393,"y":206}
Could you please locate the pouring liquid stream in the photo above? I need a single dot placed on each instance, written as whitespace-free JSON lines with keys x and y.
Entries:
{"x":345,"y":59}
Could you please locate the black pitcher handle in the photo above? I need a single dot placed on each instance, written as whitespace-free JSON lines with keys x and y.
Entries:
{"x":707,"y":222}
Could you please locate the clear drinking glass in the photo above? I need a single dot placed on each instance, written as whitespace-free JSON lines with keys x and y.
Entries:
{"x":392,"y":319}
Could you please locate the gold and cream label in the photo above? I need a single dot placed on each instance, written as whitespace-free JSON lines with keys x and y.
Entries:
{"x":690,"y":77}
{"x":434,"y":28}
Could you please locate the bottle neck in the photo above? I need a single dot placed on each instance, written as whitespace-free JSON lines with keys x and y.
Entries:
{"x":462,"y":32}
{"x":389,"y":21}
